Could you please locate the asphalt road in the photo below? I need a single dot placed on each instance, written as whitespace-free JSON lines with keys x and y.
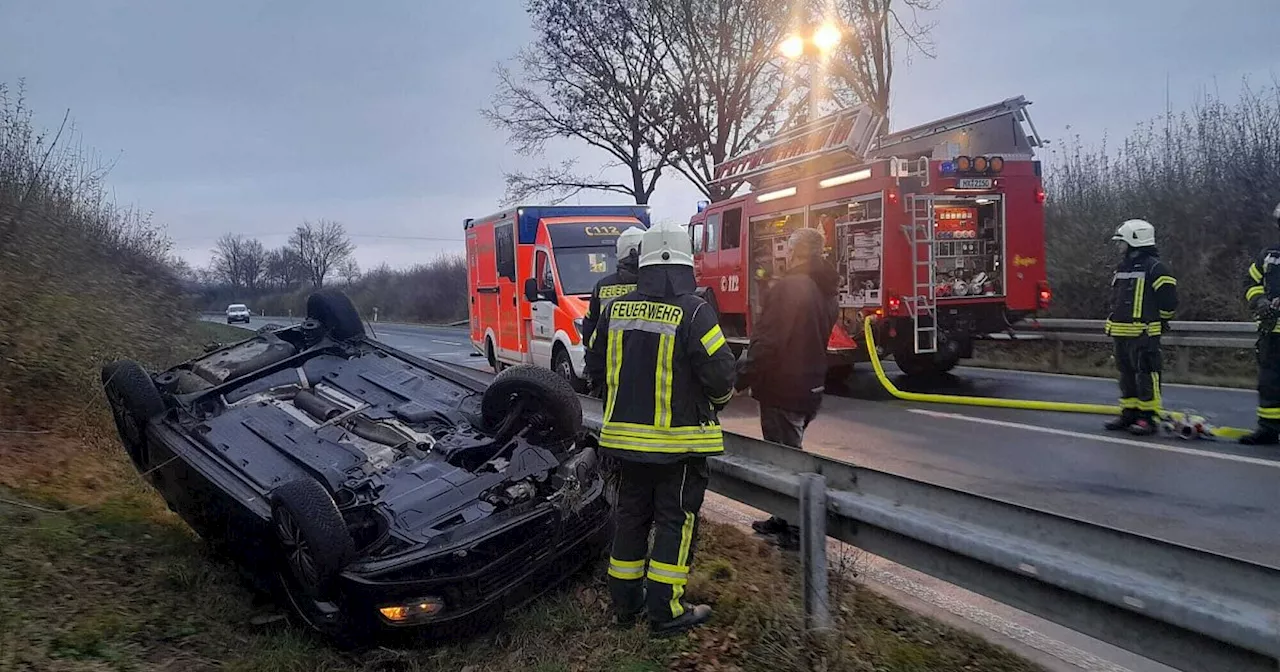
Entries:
{"x":1216,"y":496}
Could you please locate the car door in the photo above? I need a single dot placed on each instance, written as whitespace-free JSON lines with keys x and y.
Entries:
{"x":544,"y":310}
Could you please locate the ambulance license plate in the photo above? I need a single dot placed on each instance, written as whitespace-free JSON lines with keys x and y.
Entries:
{"x":973,"y":183}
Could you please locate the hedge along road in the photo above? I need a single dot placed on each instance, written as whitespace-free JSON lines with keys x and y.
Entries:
{"x":1209,"y":495}
{"x":1213,"y":495}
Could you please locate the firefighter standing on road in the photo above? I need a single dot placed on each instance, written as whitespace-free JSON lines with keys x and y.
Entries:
{"x":667,"y":370}
{"x":1144,"y":297}
{"x":1262,"y":292}
{"x":610,"y":287}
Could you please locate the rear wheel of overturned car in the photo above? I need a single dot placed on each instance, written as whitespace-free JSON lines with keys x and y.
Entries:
{"x":336,"y":312}
{"x":315,"y":546}
{"x":134,"y":401}
{"x":542,"y":400}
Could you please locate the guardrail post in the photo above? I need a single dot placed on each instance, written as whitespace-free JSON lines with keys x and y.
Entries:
{"x":375,"y":313}
{"x":1056,"y":359}
{"x":813,"y":552}
{"x":1182,"y":361}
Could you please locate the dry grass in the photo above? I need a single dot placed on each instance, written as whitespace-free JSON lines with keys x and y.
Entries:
{"x":1223,"y":367}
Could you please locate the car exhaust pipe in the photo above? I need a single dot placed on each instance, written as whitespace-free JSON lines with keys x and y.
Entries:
{"x":320,"y":409}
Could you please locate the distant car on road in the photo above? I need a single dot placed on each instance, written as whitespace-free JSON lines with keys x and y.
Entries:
{"x":238,"y":312}
{"x":372,"y":491}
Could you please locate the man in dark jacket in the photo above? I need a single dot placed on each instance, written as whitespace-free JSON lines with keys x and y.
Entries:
{"x":785,"y":364}
{"x":668,"y":370}
{"x":610,"y":287}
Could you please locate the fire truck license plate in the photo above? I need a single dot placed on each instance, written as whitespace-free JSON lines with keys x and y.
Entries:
{"x":973,"y":183}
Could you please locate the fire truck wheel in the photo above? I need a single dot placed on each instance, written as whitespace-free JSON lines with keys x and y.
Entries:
{"x":562,"y":365}
{"x":917,"y":365}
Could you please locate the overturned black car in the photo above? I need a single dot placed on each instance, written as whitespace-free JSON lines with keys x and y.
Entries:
{"x":374,"y":491}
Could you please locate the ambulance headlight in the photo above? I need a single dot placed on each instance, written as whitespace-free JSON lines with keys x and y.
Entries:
{"x":578,"y":324}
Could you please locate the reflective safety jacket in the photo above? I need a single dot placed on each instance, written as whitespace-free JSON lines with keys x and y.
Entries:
{"x":668,"y":370}
{"x":1262,"y":284}
{"x":1143,"y":296}
{"x":610,"y":287}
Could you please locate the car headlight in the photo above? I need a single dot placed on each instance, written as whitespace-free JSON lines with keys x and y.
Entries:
{"x":578,"y":323}
{"x":417,"y":609}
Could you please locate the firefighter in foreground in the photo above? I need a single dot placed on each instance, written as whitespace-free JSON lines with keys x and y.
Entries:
{"x":667,"y":370}
{"x":610,"y":287}
{"x":1262,"y":292}
{"x":1144,"y":297}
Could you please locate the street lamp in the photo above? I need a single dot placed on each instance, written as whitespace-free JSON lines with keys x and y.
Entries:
{"x":824,"y":40}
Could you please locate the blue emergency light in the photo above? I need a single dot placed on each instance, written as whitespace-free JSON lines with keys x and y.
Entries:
{"x":703,"y":205}
{"x":947,"y":168}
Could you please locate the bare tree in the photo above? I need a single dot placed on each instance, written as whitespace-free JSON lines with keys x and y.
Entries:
{"x":862,"y":69}
{"x":320,"y":247}
{"x":284,"y":268}
{"x":594,"y":74}
{"x":349,"y":271}
{"x":239,"y":261}
{"x":731,"y":91}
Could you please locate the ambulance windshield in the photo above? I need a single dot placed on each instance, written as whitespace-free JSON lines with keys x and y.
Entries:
{"x":581,"y":267}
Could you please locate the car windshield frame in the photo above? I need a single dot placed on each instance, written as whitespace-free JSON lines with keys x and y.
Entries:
{"x":573,"y":267}
{"x":237,"y":307}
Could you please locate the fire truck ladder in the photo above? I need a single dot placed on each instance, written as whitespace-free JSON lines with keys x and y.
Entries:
{"x":923,"y":304}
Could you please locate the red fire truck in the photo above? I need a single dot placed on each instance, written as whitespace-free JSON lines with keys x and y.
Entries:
{"x":530,"y":272}
{"x":938,"y":230}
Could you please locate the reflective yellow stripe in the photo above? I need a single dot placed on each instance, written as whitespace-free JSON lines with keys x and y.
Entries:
{"x":660,"y":432}
{"x":713,"y":340}
{"x":1139,"y":286}
{"x":1164,"y":280}
{"x":626,"y":570}
{"x":1166,"y":314}
{"x":1129,"y":402}
{"x":1123,"y":329}
{"x":613,"y":358}
{"x":672,"y":575}
{"x":662,"y":381}
{"x":619,"y":443}
{"x":1268,"y":413}
{"x":723,"y":400}
{"x":1254,"y":292}
{"x":1154,"y":403}
{"x":682,"y":559}
{"x":1255,"y":273}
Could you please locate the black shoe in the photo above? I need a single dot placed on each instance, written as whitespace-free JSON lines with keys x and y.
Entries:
{"x":1142,"y":427}
{"x":1119,"y":424}
{"x":1261,"y":437}
{"x":626,"y":621}
{"x":774,"y":525}
{"x":692,"y":617}
{"x":789,"y":540}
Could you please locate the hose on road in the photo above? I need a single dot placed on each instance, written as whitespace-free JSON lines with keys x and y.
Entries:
{"x":1020,"y":404}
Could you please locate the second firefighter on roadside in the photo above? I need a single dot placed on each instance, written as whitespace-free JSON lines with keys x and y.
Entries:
{"x":667,"y":370}
{"x":1262,"y":293}
{"x":1144,"y":297}
{"x":610,"y":287}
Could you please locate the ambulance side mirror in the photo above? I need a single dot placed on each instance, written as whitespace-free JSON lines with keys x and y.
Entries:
{"x":531,"y":290}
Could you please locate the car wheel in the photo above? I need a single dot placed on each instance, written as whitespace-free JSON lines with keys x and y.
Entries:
{"x":315,"y":546}
{"x":336,"y":312}
{"x":539,"y":397}
{"x":134,"y":401}
{"x":562,"y":365}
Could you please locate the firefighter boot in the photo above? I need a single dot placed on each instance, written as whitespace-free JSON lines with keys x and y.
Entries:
{"x":1261,"y":436}
{"x":1144,"y":426}
{"x":1122,"y":422}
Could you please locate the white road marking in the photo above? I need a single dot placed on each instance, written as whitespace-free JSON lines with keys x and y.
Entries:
{"x":1275,"y":464}
{"x":436,"y":340}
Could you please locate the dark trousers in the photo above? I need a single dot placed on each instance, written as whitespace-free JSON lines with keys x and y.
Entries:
{"x":1269,"y":381}
{"x":783,"y":426}
{"x":665,"y":498}
{"x":1138,"y":360}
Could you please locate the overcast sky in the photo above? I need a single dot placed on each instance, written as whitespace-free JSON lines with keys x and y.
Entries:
{"x":249,"y":117}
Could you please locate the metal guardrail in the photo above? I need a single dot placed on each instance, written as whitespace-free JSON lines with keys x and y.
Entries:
{"x":1187,"y":608}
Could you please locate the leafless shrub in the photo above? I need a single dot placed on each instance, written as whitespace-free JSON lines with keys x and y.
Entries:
{"x":1207,"y":178}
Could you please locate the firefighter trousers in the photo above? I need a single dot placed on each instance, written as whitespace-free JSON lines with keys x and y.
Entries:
{"x":665,"y":498}
{"x":1138,"y":360}
{"x":1269,"y":381}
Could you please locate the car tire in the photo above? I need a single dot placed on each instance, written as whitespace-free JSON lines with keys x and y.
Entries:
{"x":134,"y":401}
{"x":549,"y":403}
{"x":314,"y":548}
{"x":562,"y":365}
{"x":335,"y":311}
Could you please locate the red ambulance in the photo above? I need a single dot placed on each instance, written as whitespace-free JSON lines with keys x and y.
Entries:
{"x":530,"y":272}
{"x":937,"y":229}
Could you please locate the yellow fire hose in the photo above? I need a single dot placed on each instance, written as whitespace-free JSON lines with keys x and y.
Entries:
{"x":1021,"y":404}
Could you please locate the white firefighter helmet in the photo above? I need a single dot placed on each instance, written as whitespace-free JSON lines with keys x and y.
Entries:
{"x":666,"y":243}
{"x":1136,"y":232}
{"x":629,"y":241}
